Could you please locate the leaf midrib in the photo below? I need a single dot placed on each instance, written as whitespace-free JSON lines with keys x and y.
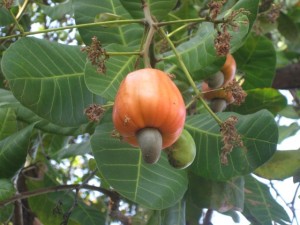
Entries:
{"x":61,"y":76}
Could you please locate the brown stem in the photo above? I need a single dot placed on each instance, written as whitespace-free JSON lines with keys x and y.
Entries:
{"x":208,"y":216}
{"x":28,"y":194}
{"x":115,"y":212}
{"x":152,"y":28}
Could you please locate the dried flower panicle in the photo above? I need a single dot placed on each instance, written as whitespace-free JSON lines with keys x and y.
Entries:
{"x":215,"y":8}
{"x":237,"y":91}
{"x":222,"y":42}
{"x":273,"y":13}
{"x":230,"y":138}
{"x":94,"y":112}
{"x":7,"y":4}
{"x":96,"y":54}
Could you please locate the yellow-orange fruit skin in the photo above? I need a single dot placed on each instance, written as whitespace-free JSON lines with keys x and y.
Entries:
{"x":228,"y":70}
{"x":149,"y":98}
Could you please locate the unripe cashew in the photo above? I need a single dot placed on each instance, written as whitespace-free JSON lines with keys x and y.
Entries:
{"x":216,"y":80}
{"x":218,"y":104}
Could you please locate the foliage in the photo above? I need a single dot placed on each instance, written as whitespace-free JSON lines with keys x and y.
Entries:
{"x":60,"y":157}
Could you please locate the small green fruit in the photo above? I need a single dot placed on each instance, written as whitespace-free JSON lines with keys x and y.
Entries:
{"x":183,"y":152}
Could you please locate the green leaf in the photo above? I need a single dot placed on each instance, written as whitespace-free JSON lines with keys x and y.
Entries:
{"x":261,"y":98}
{"x":7,"y":190}
{"x":251,"y":6}
{"x":296,"y":176}
{"x":174,"y":215}
{"x":117,"y":67}
{"x":58,"y":11}
{"x":8,"y":122}
{"x":48,"y":78}
{"x":288,"y":131}
{"x":290,"y":112}
{"x":259,"y":133}
{"x":217,"y":195}
{"x":48,"y":204}
{"x":25,"y":115}
{"x":5,"y":17}
{"x":288,"y":28}
{"x":126,"y":35}
{"x":13,"y":152}
{"x":282,"y":165}
{"x":158,"y":8}
{"x":260,"y":207}
{"x":193,"y":212}
{"x":156,"y":186}
{"x":198,"y":53}
{"x":72,"y":150}
{"x":256,"y":60}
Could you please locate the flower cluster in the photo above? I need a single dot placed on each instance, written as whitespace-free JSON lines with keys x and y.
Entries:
{"x":237,"y":92}
{"x":94,"y":112}
{"x":230,"y":138}
{"x":222,"y":42}
{"x":215,"y":8}
{"x":7,"y":4}
{"x":96,"y":54}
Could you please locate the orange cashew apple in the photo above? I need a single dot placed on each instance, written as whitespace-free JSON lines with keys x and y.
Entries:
{"x":149,"y":112}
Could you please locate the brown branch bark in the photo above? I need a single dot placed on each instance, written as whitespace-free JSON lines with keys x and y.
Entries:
{"x":287,"y":77}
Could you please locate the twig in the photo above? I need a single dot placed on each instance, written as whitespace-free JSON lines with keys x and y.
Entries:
{"x":208,"y":216}
{"x":115,"y":212}
{"x":67,"y":215}
{"x":189,"y":77}
{"x":115,"y":22}
{"x":28,"y":194}
{"x":152,"y":27}
{"x":292,"y":205}
{"x":18,"y":213}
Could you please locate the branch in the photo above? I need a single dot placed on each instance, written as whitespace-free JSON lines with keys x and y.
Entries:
{"x":28,"y":194}
{"x":208,"y":216}
{"x":152,"y":28}
{"x":287,"y":77}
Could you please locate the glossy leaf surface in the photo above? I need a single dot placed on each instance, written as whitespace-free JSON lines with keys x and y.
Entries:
{"x":117,"y":67}
{"x":156,"y":186}
{"x":158,"y":8}
{"x":261,"y":98}
{"x":282,"y":165}
{"x":87,"y":11}
{"x":13,"y":152}
{"x":7,"y":190}
{"x":217,"y":195}
{"x":8,"y":122}
{"x":256,"y":60}
{"x":48,"y":78}
{"x":259,"y":133}
{"x":260,"y":207}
